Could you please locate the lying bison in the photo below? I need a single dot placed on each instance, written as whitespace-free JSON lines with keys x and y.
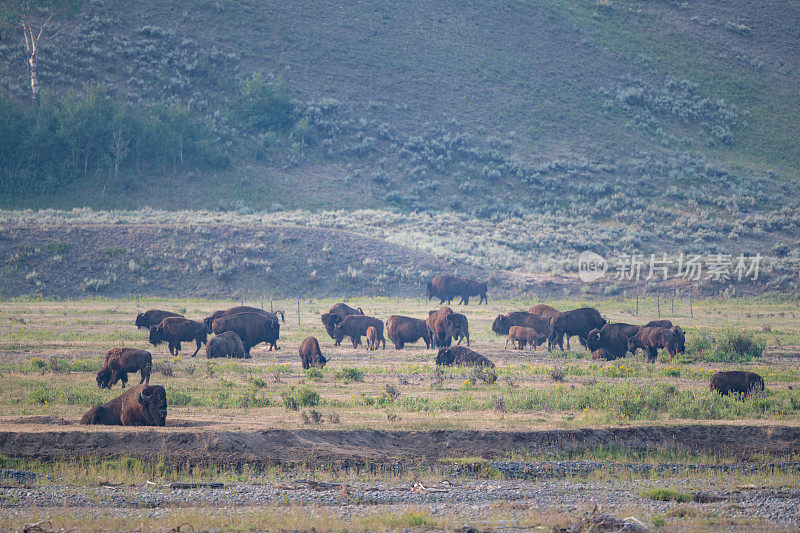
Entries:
{"x":310,"y":354}
{"x":355,"y":327}
{"x":336,"y":314}
{"x":439,"y":333}
{"x":543,"y":310}
{"x":242,"y":309}
{"x":736,"y":381}
{"x":577,"y":322}
{"x":601,"y":353}
{"x":174,"y":330}
{"x":153,"y":317}
{"x":121,"y":361}
{"x":524,"y":337}
{"x":503,"y":323}
{"x":252,"y":329}
{"x":651,"y":340}
{"x":448,"y":287}
{"x":462,"y":356}
{"x":227,"y":344}
{"x":142,"y":405}
{"x":402,"y":329}
{"x":611,"y":339}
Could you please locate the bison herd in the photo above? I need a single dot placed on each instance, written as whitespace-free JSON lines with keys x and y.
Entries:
{"x":238,"y":329}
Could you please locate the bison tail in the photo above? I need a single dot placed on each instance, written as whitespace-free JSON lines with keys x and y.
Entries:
{"x":282,"y":315}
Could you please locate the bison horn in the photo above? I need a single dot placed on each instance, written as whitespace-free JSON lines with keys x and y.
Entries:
{"x":143,"y":395}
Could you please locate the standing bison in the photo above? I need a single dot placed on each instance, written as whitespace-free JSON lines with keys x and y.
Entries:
{"x":457,"y":327}
{"x":503,"y":323}
{"x":448,"y":287}
{"x":578,"y":322}
{"x":355,"y":327}
{"x":461,"y":356}
{"x":736,"y":381}
{"x":372,"y":338}
{"x":242,"y":309}
{"x":404,"y":329}
{"x":142,"y":405}
{"x":121,"y":361}
{"x":153,"y":317}
{"x":651,"y":340}
{"x":437,"y":330}
{"x":174,"y":330}
{"x":227,"y":344}
{"x":310,"y":354}
{"x":611,"y":339}
{"x":524,"y":336}
{"x":336,"y":314}
{"x":252,"y":329}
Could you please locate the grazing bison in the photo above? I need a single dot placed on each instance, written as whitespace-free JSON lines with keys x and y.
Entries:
{"x":372,"y":338}
{"x":736,"y":381}
{"x":544,"y":311}
{"x":651,"y":340}
{"x":680,"y":338}
{"x":576,"y":322}
{"x":153,"y":317}
{"x":310,"y":354}
{"x":658,"y":324}
{"x":438,"y":332}
{"x":457,"y":327}
{"x":119,"y":362}
{"x":461,"y":355}
{"x":336,"y":314}
{"x":402,"y":329}
{"x":227,"y":344}
{"x":503,"y":323}
{"x":355,"y":327}
{"x":142,"y":405}
{"x":524,"y":336}
{"x":175,"y":330}
{"x":448,"y":287}
{"x":612,"y":339}
{"x":252,"y":329}
{"x":242,"y":309}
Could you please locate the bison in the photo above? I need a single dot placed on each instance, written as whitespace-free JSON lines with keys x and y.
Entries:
{"x":355,"y":327}
{"x":463,"y":356}
{"x":372,"y":338}
{"x":544,"y":311}
{"x":448,"y":287}
{"x":457,"y":327}
{"x":661,"y":323}
{"x":153,"y":317}
{"x":680,"y":338}
{"x":611,"y":339}
{"x":227,"y":344}
{"x":402,"y":329}
{"x":241,"y":309}
{"x":119,"y":362}
{"x":438,"y":332}
{"x":577,"y":322}
{"x":142,"y":405}
{"x":651,"y":340}
{"x":503,"y":323}
{"x":336,"y":314}
{"x":524,"y":336}
{"x":601,"y":353}
{"x":174,"y":330}
{"x":252,"y":329}
{"x":310,"y":354}
{"x":736,"y":381}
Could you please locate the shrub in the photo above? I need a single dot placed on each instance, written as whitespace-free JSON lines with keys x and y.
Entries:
{"x":557,"y":374}
{"x":666,"y":495}
{"x":177,"y":398}
{"x":288,"y":400}
{"x":739,"y":346}
{"x":314,"y":374}
{"x":163,"y":368}
{"x":349,"y":374}
{"x":307,"y":397}
{"x":263,"y":105}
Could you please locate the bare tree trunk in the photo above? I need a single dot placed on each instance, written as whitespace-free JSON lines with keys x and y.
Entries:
{"x":34,"y":78}
{"x":31,"y":47}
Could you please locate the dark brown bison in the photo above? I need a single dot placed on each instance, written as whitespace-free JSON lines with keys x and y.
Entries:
{"x":372,"y":338}
{"x":252,"y":329}
{"x":736,"y":381}
{"x":463,"y":356}
{"x":355,"y":327}
{"x":575,"y":322}
{"x":438,"y":332}
{"x":174,"y":330}
{"x":612,"y":339}
{"x":659,"y":324}
{"x":403,"y":329}
{"x":153,"y":317}
{"x":651,"y":340}
{"x":121,"y":361}
{"x":503,"y":323}
{"x":142,"y":405}
{"x":600,"y":353}
{"x":543,"y":310}
{"x":227,"y":344}
{"x":310,"y":354}
{"x":336,"y":314}
{"x":524,"y":336}
{"x":241,"y":309}
{"x":448,"y":287}
{"x":457,"y":327}
{"x":680,"y":338}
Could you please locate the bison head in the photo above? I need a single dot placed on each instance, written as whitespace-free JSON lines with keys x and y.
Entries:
{"x":141,"y":321}
{"x":455,"y":325}
{"x":153,"y":400}
{"x":337,"y":334}
{"x":321,"y":361}
{"x":208,"y":321}
{"x":680,"y":338}
{"x":501,"y":325}
{"x":157,"y":334}
{"x":330,"y":321}
{"x":593,"y":340}
{"x":632,"y":344}
{"x":445,"y":357}
{"x":104,"y":378}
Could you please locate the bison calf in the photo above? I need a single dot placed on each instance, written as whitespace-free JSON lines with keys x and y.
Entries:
{"x":403,"y":329}
{"x":226,"y":344}
{"x":372,"y":338}
{"x":463,"y":356}
{"x":142,"y":405}
{"x":651,"y":340}
{"x":121,"y":361}
{"x":310,"y":354}
{"x":173,"y":330}
{"x":737,"y":381}
{"x":524,"y":336}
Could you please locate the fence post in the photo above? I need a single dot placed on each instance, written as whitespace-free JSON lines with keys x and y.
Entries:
{"x":658,"y":303}
{"x":691,"y":310}
{"x":298,"y":312}
{"x":637,"y":302}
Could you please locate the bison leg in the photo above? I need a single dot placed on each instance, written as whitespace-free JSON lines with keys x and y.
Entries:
{"x":652,"y":354}
{"x":146,"y":374}
{"x":172,"y":349}
{"x":199,"y":344}
{"x":124,"y":378}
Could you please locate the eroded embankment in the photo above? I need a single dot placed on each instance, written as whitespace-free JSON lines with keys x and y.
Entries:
{"x":360,"y":446}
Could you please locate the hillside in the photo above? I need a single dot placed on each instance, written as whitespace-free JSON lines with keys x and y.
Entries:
{"x":612,"y":125}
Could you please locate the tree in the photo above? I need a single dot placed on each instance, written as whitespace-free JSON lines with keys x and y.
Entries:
{"x":34,"y":18}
